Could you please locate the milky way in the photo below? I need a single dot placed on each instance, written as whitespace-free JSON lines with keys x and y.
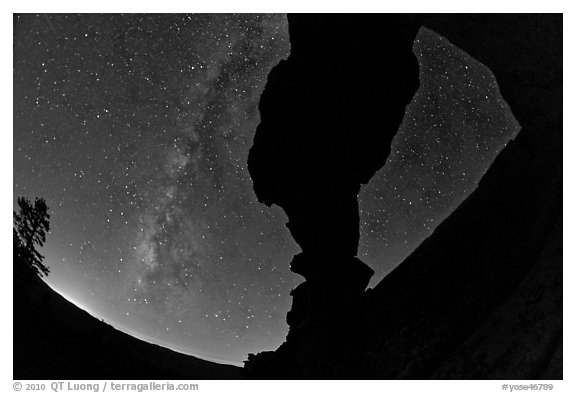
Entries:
{"x":136,"y":130}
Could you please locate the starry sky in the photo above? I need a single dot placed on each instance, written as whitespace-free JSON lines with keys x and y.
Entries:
{"x":136,"y":130}
{"x":453,"y":129}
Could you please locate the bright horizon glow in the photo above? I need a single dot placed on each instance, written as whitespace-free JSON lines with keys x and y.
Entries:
{"x":140,"y":336}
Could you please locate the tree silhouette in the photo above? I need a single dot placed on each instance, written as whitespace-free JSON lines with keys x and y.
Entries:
{"x":30,"y":227}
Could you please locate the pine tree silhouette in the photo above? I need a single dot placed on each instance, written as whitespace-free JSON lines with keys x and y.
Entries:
{"x":30,"y":227}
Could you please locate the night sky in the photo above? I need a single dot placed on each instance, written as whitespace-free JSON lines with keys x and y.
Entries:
{"x":452,"y":131}
{"x":136,"y":130}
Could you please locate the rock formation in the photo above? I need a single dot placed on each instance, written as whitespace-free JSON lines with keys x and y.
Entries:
{"x":482,"y":296}
{"x":328,"y":115}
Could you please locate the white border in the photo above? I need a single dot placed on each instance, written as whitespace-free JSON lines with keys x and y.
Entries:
{"x":306,"y":6}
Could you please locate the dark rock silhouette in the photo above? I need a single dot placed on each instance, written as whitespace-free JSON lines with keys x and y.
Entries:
{"x":328,"y":115}
{"x":482,"y":296}
{"x":54,"y":339}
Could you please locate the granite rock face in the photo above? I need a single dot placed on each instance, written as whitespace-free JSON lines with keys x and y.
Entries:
{"x":328,"y":115}
{"x":482,"y":296}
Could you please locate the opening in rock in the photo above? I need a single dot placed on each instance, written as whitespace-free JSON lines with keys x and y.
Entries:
{"x":453,"y":129}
